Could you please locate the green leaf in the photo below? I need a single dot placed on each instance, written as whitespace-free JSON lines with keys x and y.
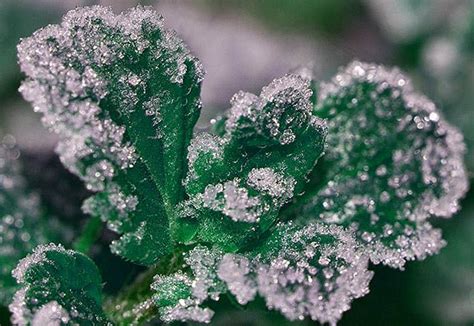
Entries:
{"x":23,"y":224}
{"x":57,"y":286}
{"x":391,"y":162}
{"x":238,"y":181}
{"x":122,"y":93}
{"x":314,"y":271}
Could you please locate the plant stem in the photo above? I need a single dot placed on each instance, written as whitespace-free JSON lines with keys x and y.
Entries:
{"x":91,"y":232}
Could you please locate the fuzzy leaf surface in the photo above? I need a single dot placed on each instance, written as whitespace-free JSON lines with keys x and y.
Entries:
{"x":122,"y":93}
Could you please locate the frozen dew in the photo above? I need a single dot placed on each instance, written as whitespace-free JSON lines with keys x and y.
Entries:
{"x":36,"y":257}
{"x":51,"y":314}
{"x":204,"y":149}
{"x":235,"y":270}
{"x":317,"y":272}
{"x":310,"y":271}
{"x":273,"y":183}
{"x":21,"y":314}
{"x":233,"y":201}
{"x":48,"y":292}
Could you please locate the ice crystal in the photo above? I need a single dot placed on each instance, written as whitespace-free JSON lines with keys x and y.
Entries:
{"x":314,"y":270}
{"x":51,"y":314}
{"x":180,"y":296}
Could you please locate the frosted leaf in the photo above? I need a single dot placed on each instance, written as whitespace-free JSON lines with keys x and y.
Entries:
{"x":23,"y":224}
{"x":122,"y":93}
{"x":239,"y":179}
{"x":58,"y":286}
{"x":391,"y":162}
{"x":315,"y":270}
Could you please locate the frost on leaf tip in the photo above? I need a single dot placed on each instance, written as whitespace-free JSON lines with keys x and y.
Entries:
{"x":391,"y":162}
{"x":238,"y":180}
{"x":314,"y":270}
{"x":58,"y":286}
{"x":122,"y":93}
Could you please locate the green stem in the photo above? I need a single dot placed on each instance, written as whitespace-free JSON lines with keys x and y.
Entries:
{"x":90,"y":234}
{"x":134,"y":305}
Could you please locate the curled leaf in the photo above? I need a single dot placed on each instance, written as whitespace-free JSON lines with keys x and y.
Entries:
{"x":238,"y":181}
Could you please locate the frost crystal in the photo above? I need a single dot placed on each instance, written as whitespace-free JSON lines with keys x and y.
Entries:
{"x":269,"y":115}
{"x":179,"y":297}
{"x":234,"y":270}
{"x":19,"y":309}
{"x":314,"y":270}
{"x":317,"y":271}
{"x":272,"y":183}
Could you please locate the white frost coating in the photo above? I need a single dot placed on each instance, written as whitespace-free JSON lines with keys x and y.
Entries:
{"x":415,"y":242}
{"x":234,"y":270}
{"x":317,"y":278}
{"x":229,"y":198}
{"x":51,"y":314}
{"x":20,"y":313}
{"x":315,"y":271}
{"x":233,"y":201}
{"x":273,"y":183}
{"x":249,"y":111}
{"x":36,"y":257}
{"x":203,"y":262}
{"x":202,"y":144}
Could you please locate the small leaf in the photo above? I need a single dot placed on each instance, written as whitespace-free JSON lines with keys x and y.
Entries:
{"x":238,"y":181}
{"x":23,"y":224}
{"x":391,"y":162}
{"x":122,"y":93}
{"x":57,"y":286}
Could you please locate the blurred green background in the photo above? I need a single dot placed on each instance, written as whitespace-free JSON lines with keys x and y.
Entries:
{"x":243,"y":45}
